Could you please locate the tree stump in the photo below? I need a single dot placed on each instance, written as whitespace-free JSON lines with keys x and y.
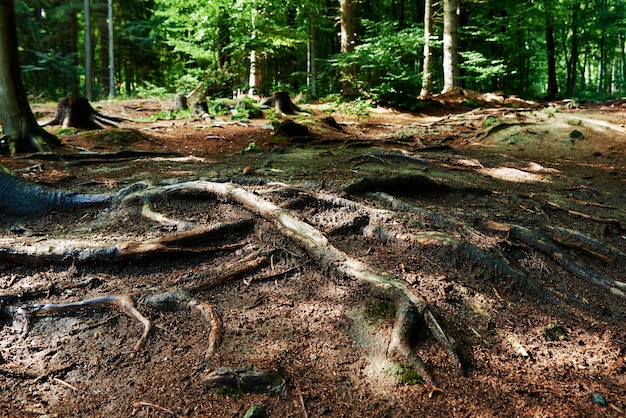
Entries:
{"x":283,"y":103}
{"x":77,"y":112}
{"x":180,"y":102}
{"x":201,"y":109}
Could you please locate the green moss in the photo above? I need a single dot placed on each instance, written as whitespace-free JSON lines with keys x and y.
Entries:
{"x":490,"y":121}
{"x":67,"y":131}
{"x":380,"y":311}
{"x":230,"y":392}
{"x":403,"y":374}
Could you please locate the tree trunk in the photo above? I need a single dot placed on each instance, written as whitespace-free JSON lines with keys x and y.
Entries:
{"x":88,"y":55}
{"x":348,"y":41}
{"x":450,"y":45}
{"x":312,"y":59}
{"x":254,"y":76}
{"x":553,"y":89}
{"x":347,"y":26}
{"x":111,"y":51}
{"x":103,"y":37}
{"x":572,"y":66}
{"x":427,"y":74}
{"x":602,"y":48}
{"x":21,"y":130}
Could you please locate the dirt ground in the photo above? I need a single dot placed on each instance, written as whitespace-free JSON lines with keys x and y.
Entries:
{"x":554,"y":348}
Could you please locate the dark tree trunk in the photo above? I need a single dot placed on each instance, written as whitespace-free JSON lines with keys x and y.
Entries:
{"x":553,"y":88}
{"x":572,"y":65}
{"x":78,"y":113}
{"x":21,"y":130}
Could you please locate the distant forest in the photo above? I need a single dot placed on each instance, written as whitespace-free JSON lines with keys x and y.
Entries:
{"x":368,"y":49}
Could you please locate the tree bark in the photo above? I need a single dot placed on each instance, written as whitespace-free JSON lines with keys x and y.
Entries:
{"x":553,"y":89}
{"x":450,"y":45}
{"x":21,"y":130}
{"x":88,"y":51}
{"x":347,"y":26}
{"x":348,"y":41}
{"x":427,"y":74}
{"x":312,"y":59}
{"x":572,"y":67}
{"x":111,"y":50}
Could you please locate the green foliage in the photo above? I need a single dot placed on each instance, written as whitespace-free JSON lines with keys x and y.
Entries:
{"x":246,"y":108}
{"x":252,"y":147}
{"x":219,"y":107}
{"x":166,"y":46}
{"x":357,"y":107}
{"x":385,"y":66}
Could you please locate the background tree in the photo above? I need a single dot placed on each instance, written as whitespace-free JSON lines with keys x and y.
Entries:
{"x":166,"y":46}
{"x":427,"y":73}
{"x":21,"y":131}
{"x":451,"y":74}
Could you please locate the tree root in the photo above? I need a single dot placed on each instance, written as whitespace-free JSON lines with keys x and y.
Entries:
{"x":323,"y":252}
{"x":543,"y":242}
{"x":124,"y":302}
{"x":180,"y":243}
{"x":211,"y":315}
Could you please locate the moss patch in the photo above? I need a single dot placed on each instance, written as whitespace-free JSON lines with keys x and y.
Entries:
{"x":380,"y":311}
{"x":403,"y":374}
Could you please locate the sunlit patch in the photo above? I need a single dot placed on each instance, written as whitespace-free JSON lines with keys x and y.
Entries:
{"x":512,"y":174}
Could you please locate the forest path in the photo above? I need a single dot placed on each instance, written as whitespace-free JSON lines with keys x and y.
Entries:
{"x":412,"y":195}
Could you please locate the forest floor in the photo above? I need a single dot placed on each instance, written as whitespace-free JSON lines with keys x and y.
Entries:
{"x":415,"y":187}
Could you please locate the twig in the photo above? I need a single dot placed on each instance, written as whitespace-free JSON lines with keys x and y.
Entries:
{"x":306,"y":414}
{"x":151,"y":405}
{"x":64,"y":383}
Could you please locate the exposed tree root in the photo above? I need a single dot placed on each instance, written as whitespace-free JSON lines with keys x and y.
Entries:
{"x":186,"y":242}
{"x":124,"y":302}
{"x":411,"y":308}
{"x":211,"y":315}
{"x":330,"y":257}
{"x":543,"y":242}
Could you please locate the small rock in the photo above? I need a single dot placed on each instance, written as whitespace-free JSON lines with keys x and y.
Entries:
{"x":576,"y":134}
{"x":254,"y":412}
{"x":599,"y":399}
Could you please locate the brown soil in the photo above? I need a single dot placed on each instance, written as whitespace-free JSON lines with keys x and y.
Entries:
{"x":327,"y":336}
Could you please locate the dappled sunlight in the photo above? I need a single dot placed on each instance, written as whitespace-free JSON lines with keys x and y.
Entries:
{"x":512,"y":174}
